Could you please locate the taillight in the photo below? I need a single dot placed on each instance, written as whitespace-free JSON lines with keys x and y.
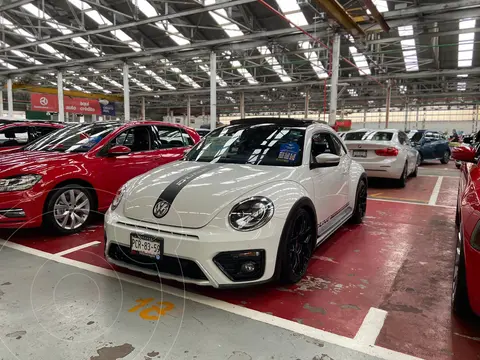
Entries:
{"x":391,"y":151}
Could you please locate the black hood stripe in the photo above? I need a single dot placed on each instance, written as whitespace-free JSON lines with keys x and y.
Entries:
{"x":172,"y":190}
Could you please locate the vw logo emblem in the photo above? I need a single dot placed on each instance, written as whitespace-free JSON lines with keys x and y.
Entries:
{"x":43,"y":101}
{"x":161,"y":209}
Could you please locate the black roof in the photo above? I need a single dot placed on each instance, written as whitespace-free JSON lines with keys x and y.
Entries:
{"x":276,"y":121}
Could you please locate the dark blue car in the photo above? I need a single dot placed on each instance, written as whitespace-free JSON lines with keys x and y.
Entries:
{"x":431,"y":145}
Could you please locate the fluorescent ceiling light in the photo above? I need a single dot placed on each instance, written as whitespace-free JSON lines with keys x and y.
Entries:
{"x":462,"y":76}
{"x":381,"y":5}
{"x":352,"y":92}
{"x":461,"y":86}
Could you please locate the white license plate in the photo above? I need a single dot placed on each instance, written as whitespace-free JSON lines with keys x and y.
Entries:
{"x":146,"y":245}
{"x":360,"y":153}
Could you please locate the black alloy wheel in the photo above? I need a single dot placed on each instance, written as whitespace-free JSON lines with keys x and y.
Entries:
{"x":360,"y":203}
{"x":415,"y":172}
{"x":446,"y":157}
{"x":298,"y":246}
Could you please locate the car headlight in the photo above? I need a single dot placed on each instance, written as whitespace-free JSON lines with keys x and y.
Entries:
{"x":18,"y":183}
{"x":118,"y":198}
{"x":251,"y":214}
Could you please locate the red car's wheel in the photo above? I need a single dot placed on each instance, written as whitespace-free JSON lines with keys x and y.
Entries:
{"x":460,"y":303}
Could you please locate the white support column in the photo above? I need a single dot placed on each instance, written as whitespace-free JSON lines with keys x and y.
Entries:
{"x":10,"y":98}
{"x":1,"y":101}
{"x":61,"y":106}
{"x":307,"y":103}
{"x":242,"y":105}
{"x":365,"y":109}
{"x":94,"y":118}
{"x":168,"y":115}
{"x":416,"y":118}
{"x":213,"y":90}
{"x":189,"y":110}
{"x":387,"y":112}
{"x":143,"y":108}
{"x":476,"y":118}
{"x":406,"y":115}
{"x":334,"y":80}
{"x":126,"y":93}
{"x":288,"y":109}
{"x":67,"y":115}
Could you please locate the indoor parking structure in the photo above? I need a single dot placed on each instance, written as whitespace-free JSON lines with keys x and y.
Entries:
{"x":244,"y":179}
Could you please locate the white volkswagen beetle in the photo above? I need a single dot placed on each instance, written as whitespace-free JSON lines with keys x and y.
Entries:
{"x":248,"y":204}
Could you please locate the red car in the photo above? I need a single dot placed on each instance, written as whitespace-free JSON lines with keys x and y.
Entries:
{"x":466,"y":286}
{"x":14,"y":135}
{"x":62,"y":178}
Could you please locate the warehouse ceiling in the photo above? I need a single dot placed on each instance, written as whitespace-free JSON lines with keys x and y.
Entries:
{"x":275,"y":51}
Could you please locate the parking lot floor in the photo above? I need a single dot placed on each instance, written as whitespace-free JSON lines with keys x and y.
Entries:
{"x":394,"y":271}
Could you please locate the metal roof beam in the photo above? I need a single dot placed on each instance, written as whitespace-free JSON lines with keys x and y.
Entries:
{"x":428,"y":9}
{"x":423,"y":35}
{"x":132,"y":24}
{"x":14,"y":4}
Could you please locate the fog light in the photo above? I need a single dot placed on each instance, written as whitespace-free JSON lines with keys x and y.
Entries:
{"x":248,"y":267}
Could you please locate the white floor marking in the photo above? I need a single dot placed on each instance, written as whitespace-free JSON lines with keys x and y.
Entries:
{"x":445,"y":176}
{"x":76,"y":248}
{"x":411,"y":203}
{"x":436,"y":191}
{"x":371,"y":326}
{"x":353,"y":344}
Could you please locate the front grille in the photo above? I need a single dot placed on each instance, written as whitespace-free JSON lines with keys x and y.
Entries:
{"x":169,"y":264}
{"x":160,"y":231}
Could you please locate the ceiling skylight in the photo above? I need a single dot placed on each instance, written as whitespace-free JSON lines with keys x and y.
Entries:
{"x":352,"y":92}
{"x":465,"y":44}
{"x":409,"y":48}
{"x":231,"y":99}
{"x":358,"y":58}
{"x":149,"y":11}
{"x":461,"y":86}
{"x":206,"y":69}
{"x":111,"y":81}
{"x":21,"y":54}
{"x":272,"y":61}
{"x":292,"y":12}
{"x":381,"y":5}
{"x":402,"y":89}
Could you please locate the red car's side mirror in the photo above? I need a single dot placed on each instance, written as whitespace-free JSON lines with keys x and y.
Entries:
{"x":119,"y":150}
{"x":463,"y":153}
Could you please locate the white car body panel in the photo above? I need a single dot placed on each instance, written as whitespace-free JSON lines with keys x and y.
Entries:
{"x":197,"y":225}
{"x":384,"y":166}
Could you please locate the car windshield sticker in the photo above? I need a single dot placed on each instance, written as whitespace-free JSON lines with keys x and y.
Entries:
{"x":288,"y":152}
{"x":169,"y":194}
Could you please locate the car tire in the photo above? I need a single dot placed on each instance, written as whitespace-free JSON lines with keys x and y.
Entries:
{"x":360,"y":202}
{"x":415,"y":172}
{"x":296,"y":246}
{"x":445,"y":158}
{"x":403,"y":178}
{"x":76,"y":203}
{"x":458,"y":165}
{"x":460,"y":302}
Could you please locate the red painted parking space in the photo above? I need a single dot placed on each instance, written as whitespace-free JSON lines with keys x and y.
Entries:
{"x":417,"y":190}
{"x":400,"y":260}
{"x":437,"y":165}
{"x":448,"y":192}
{"x":40,"y":240}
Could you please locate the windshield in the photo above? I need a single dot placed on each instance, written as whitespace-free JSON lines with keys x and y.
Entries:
{"x":77,"y":138}
{"x":260,"y":144}
{"x":369,"y":136}
{"x":417,"y":136}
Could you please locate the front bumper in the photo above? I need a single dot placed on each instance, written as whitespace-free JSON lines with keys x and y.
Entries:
{"x":21,"y":209}
{"x":189,"y":253}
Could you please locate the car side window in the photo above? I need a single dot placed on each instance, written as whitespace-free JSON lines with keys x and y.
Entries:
{"x":39,"y":131}
{"x":340,"y":149}
{"x":137,"y":138}
{"x":402,"y":138}
{"x":436,"y":136}
{"x":14,"y":136}
{"x":168,"y":137}
{"x":322,"y":143}
{"x":187,"y":139}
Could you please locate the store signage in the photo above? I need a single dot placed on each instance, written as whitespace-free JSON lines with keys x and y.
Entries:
{"x":108,"y":109}
{"x":47,"y":102}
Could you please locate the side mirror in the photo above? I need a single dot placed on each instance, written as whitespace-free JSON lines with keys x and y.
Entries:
{"x":463,"y":153}
{"x":325,"y":160}
{"x":119,"y":150}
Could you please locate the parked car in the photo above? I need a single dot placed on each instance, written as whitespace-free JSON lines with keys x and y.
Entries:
{"x":14,"y":135}
{"x":466,"y":287}
{"x":431,"y":145}
{"x":248,"y":204}
{"x":62,"y":178}
{"x":383,"y":153}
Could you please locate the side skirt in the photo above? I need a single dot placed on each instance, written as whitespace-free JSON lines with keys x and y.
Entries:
{"x":335,"y":222}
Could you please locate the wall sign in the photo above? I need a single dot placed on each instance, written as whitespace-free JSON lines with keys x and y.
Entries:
{"x":47,"y":102}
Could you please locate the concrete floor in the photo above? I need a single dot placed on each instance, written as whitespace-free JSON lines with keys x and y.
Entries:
{"x":382,"y":285}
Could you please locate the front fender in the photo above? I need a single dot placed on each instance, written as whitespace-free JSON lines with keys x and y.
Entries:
{"x":357,"y":172}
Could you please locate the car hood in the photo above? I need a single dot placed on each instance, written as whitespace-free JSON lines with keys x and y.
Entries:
{"x":30,"y":162}
{"x":196,"y":191}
